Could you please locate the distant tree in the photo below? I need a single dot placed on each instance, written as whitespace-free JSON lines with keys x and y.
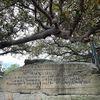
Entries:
{"x":1,"y":67}
{"x":1,"y":70}
{"x":11,"y":68}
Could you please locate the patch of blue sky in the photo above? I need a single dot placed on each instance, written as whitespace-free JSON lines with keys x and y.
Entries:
{"x":8,"y":60}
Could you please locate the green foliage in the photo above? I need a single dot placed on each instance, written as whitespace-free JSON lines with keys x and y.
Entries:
{"x":11,"y":68}
{"x":55,"y":7}
{"x":17,"y":20}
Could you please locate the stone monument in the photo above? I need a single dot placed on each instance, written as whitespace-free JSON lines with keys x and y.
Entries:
{"x":52,"y":81}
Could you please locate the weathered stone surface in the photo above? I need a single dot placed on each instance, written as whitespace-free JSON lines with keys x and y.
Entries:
{"x":18,"y":96}
{"x":67,"y":81}
{"x":53,"y":79}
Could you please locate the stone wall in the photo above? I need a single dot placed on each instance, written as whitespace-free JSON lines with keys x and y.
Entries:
{"x":66,"y":81}
{"x":18,"y":96}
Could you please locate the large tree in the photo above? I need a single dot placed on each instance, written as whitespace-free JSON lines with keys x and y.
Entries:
{"x":54,"y":27}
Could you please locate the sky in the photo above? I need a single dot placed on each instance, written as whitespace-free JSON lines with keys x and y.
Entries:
{"x":8,"y":60}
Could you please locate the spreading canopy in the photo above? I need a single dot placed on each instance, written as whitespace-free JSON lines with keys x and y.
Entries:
{"x":23,"y":22}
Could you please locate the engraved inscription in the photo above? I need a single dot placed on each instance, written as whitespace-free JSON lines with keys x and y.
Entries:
{"x":50,"y":76}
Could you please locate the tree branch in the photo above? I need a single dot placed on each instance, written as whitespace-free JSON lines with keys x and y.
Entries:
{"x":42,"y":10}
{"x":36,"y":19}
{"x":78,"y":16}
{"x":91,"y":31}
{"x":72,"y":53}
{"x":50,"y":8}
{"x":62,"y":45}
{"x":41,"y":24}
{"x":1,"y":9}
{"x":11,"y":51}
{"x":22,"y":4}
{"x":33,"y":37}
